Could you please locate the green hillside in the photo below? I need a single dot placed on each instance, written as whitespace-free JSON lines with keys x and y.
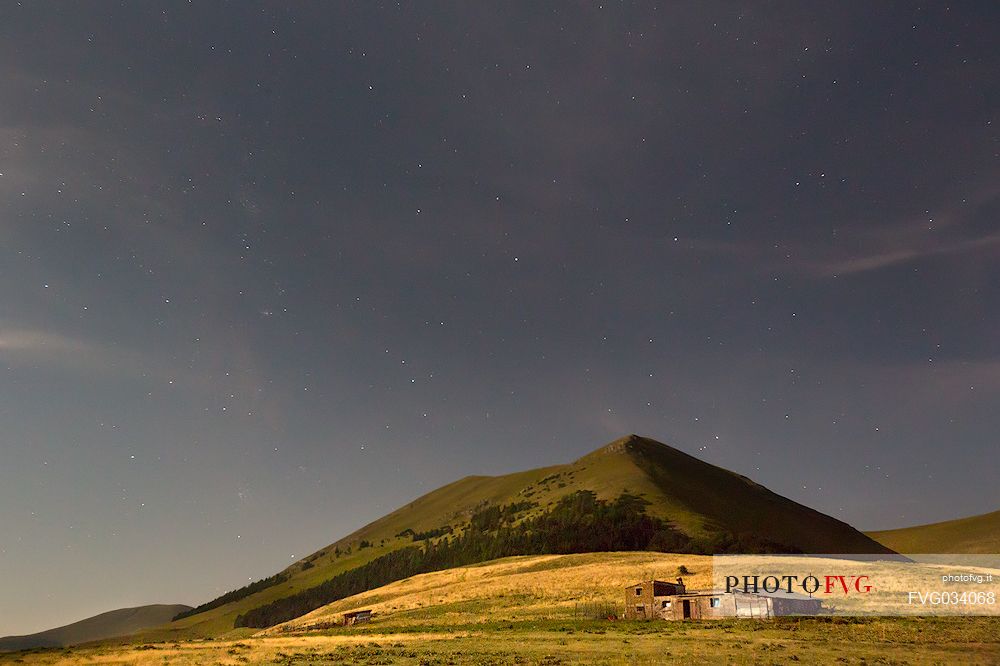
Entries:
{"x":696,"y":498}
{"x":975,"y":534}
{"x":106,"y":625}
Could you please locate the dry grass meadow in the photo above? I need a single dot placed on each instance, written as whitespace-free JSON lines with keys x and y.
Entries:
{"x":514,"y":588}
{"x":812,"y":641}
{"x":527,"y":610}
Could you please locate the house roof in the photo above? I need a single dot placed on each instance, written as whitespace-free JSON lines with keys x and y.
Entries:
{"x":654,"y":581}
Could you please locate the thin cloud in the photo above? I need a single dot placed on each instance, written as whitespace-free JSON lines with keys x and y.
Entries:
{"x":36,"y":344}
{"x":947,"y":233}
{"x":36,"y":347}
{"x":903,"y":255}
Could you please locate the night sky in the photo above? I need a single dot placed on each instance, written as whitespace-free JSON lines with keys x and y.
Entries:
{"x":268,"y":272}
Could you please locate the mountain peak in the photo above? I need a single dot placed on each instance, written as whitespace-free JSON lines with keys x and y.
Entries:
{"x":620,"y":445}
{"x":630,"y":444}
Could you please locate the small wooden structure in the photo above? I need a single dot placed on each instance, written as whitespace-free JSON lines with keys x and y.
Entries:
{"x":357,"y":617}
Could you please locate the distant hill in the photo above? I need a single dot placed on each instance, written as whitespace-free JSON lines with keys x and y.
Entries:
{"x":707,"y":504}
{"x":976,"y":534}
{"x":106,"y":625}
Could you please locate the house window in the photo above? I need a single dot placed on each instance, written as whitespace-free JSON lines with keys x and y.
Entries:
{"x":666,"y":604}
{"x":638,"y":591}
{"x":640,"y":609}
{"x":715,"y":602}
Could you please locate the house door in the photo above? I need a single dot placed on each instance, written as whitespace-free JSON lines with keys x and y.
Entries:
{"x":687,"y":609}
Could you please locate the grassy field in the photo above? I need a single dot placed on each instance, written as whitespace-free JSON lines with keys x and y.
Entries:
{"x":811,"y":641}
{"x":517,"y":589}
{"x":975,"y":534}
{"x":537,"y":610}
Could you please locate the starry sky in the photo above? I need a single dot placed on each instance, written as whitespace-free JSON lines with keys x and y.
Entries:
{"x":268,"y":271}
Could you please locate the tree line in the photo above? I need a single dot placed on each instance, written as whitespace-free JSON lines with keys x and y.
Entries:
{"x":234,"y":595}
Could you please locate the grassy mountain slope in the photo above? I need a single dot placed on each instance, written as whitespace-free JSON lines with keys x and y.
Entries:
{"x":975,"y":534}
{"x":524,"y":589}
{"x":106,"y":625}
{"x":521,"y":588}
{"x":697,"y":498}
{"x":722,"y":499}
